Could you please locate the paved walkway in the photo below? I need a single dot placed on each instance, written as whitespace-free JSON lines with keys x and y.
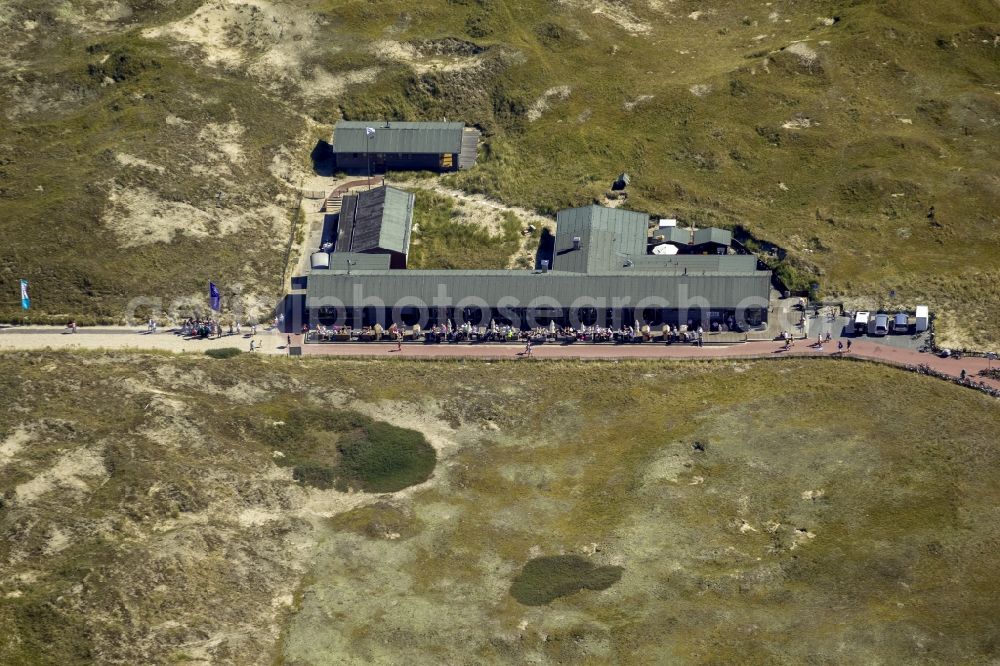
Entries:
{"x":273,"y":342}
{"x":583,"y":351}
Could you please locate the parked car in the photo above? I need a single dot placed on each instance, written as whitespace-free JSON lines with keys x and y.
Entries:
{"x":861,"y":322}
{"x":900,"y":323}
{"x":879,"y":326}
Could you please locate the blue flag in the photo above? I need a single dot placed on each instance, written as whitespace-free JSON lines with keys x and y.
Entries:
{"x":25,"y":301}
{"x":214,"y":297}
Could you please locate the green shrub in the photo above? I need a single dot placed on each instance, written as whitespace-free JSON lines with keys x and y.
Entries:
{"x":314,"y":474}
{"x":223,"y":352}
{"x":384,"y":458}
{"x":544,"y":579}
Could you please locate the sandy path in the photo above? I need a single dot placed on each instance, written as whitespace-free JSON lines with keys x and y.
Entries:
{"x":121,"y":337}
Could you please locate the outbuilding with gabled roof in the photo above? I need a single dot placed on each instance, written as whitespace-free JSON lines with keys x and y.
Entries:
{"x":376,"y":221}
{"x":400,"y":145}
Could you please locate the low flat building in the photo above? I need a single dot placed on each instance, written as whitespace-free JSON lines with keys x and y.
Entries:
{"x":600,"y":274}
{"x":360,"y":145}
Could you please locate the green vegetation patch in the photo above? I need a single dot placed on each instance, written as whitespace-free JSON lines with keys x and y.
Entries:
{"x":313,"y":474}
{"x":444,"y":240}
{"x":224,"y":352}
{"x":544,"y":579}
{"x":383,"y":458}
{"x":343,"y":449}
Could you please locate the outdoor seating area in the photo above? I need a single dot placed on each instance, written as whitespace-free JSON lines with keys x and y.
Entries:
{"x":506,"y":334}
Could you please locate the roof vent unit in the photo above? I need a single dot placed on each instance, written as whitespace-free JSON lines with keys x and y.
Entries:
{"x":576,"y":242}
{"x":545,"y":265}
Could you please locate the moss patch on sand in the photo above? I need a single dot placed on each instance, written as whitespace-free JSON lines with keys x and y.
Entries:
{"x":545,"y":579}
{"x":381,"y":520}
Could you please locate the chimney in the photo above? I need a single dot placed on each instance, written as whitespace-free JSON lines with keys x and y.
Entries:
{"x":576,"y":242}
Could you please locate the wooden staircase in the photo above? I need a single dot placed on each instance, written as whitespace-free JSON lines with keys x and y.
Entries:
{"x":334,"y":201}
{"x":470,"y":148}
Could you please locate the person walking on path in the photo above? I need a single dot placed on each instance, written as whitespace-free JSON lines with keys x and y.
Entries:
{"x":848,"y":345}
{"x":252,"y":350}
{"x":237,"y":327}
{"x":840,"y":346}
{"x":288,"y":345}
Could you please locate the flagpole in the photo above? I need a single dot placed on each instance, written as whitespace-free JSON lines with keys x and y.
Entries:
{"x":369,"y":133}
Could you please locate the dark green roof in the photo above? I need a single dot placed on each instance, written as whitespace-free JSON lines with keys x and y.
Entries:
{"x":358,"y":261}
{"x":608,"y":237}
{"x":552,"y":289}
{"x":610,"y":267}
{"x":713,"y":235}
{"x":375,"y":219}
{"x":683,"y":235}
{"x":675,"y":235}
{"x":409,"y":138}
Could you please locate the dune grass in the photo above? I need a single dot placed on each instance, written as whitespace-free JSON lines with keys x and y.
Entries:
{"x":444,"y":240}
{"x":834,"y":504}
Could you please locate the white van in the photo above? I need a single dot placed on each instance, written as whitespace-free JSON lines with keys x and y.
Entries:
{"x":861,"y":323}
